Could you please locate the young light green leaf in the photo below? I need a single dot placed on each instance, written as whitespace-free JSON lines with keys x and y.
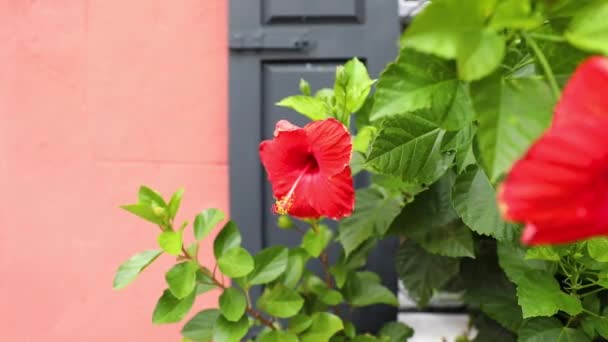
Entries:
{"x":175,"y":202}
{"x":236,"y":262}
{"x":150,"y":197}
{"x":324,"y":326}
{"x":363,"y":139}
{"x":542,"y":253}
{"x":233,"y":304}
{"x":421,"y":272}
{"x":512,"y":114}
{"x":130,"y":269}
{"x":363,"y":290}
{"x":181,"y":279}
{"x":474,"y":199}
{"x":299,"y":323}
{"x":539,"y":294}
{"x":270,"y":263}
{"x":280,"y":301}
{"x":171,"y":242}
{"x":304,"y":87}
{"x":409,"y":147}
{"x":515,"y":14}
{"x":206,"y":221}
{"x":418,"y":81}
{"x":374,"y":212}
{"x":170,"y":309}
{"x":277,"y":336}
{"x":315,"y":242}
{"x":351,"y":88}
{"x":588,"y":29}
{"x":227,"y":239}
{"x":226,"y":331}
{"x":200,"y":327}
{"x":147,"y":212}
{"x":311,"y":107}
{"x":598,"y":249}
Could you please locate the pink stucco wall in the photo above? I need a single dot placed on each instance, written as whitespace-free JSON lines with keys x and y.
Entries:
{"x":97,"y":97}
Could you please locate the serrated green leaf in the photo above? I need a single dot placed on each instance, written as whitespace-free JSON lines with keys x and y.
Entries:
{"x":363,"y":139}
{"x":539,"y":294}
{"x":170,"y":309}
{"x":277,"y":336}
{"x":475,"y":202}
{"x":200,"y":327}
{"x":181,"y":279}
{"x":206,"y":221}
{"x":324,"y":326}
{"x":598,"y":249}
{"x":130,"y":269}
{"x":549,"y":329}
{"x":374,"y":212}
{"x":175,"y":202}
{"x":280,"y":301}
{"x":311,"y":107}
{"x":228,"y":238}
{"x":515,"y":14}
{"x":409,"y":147}
{"x":456,"y":30}
{"x":226,"y":331}
{"x":542,"y":253}
{"x":511,"y":258}
{"x":236,"y":262}
{"x":171,"y":242}
{"x":461,"y":144}
{"x":299,"y":323}
{"x":588,"y":30}
{"x":362,"y":290}
{"x":232,"y":304}
{"x":147,"y":212}
{"x":421,"y":272}
{"x":416,"y":81}
{"x":315,"y":242}
{"x":512,"y":114}
{"x":270,"y":263}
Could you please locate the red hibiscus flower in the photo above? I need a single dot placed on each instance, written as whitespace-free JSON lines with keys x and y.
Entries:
{"x":560,"y":187}
{"x":309,"y":169}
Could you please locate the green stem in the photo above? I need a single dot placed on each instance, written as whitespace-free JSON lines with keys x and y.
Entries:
{"x":544,"y":64}
{"x":548,"y":37}
{"x":592,"y":292}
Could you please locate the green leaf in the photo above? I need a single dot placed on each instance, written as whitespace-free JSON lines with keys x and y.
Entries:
{"x":549,"y":329}
{"x":170,"y":309}
{"x":150,"y":197}
{"x":311,"y":107}
{"x":408,"y":146}
{"x":362,"y":290}
{"x":200,"y":327}
{"x":181,"y":279}
{"x":588,"y":29}
{"x":175,"y":202}
{"x":324,"y":326}
{"x":296,"y":262}
{"x":304,"y":87}
{"x":351,"y":88}
{"x":456,"y":30}
{"x":130,"y":269}
{"x":374,"y":212}
{"x":474,"y":199}
{"x":171,"y":242}
{"x":315,"y":242}
{"x":461,"y":144}
{"x":364,"y":138}
{"x":515,"y":14}
{"x":421,"y":272}
{"x":277,"y":336}
{"x":330,"y":297}
{"x":299,"y":323}
{"x":270,"y":263}
{"x":511,"y":258}
{"x":542,"y":253}
{"x":280,"y":301}
{"x":512,"y":114}
{"x":490,"y":331}
{"x":233,"y":304}
{"x":226,"y":331}
{"x":432,"y":222}
{"x":206,"y":221}
{"x":236,"y":262}
{"x":147,"y":212}
{"x":396,"y":332}
{"x":227,"y":239}
{"x":539,"y":294}
{"x":598,"y":249}
{"x":417,"y":81}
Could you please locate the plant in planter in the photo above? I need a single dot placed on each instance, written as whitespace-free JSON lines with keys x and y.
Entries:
{"x":465,"y":109}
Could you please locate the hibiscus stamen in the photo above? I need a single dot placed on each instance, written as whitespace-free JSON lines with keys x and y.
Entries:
{"x":282,"y":205}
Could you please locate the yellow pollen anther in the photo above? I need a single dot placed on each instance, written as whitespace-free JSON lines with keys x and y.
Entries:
{"x":283,"y":205}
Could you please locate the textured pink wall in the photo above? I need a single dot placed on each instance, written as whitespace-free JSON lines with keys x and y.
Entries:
{"x":97,"y":97}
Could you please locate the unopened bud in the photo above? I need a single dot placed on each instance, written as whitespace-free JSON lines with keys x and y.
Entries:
{"x":284,"y":222}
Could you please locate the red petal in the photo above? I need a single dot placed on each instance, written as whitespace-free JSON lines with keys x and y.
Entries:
{"x":331,"y":145}
{"x":585,"y":93}
{"x":284,"y":126}
{"x":332,"y":197}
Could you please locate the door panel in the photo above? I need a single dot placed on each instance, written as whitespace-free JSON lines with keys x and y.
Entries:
{"x":312,"y":11}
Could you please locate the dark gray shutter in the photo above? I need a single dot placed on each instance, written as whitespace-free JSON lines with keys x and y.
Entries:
{"x":274,"y":43}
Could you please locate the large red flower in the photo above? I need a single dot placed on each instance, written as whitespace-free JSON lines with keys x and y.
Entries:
{"x":309,"y":169}
{"x":560,"y":187}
